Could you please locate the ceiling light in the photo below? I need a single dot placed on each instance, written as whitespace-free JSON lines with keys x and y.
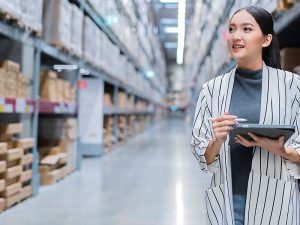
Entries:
{"x":170,"y":45}
{"x":168,"y":1}
{"x":171,"y":30}
{"x":181,"y":31}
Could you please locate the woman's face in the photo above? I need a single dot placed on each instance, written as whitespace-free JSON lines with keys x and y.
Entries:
{"x":245,"y":38}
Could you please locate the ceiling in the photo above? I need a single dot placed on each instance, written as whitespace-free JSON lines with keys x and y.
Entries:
{"x":166,"y":19}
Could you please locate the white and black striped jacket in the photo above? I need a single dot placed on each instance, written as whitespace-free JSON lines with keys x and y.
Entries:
{"x":273,"y":190}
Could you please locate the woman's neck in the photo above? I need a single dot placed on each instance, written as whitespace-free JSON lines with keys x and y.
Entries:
{"x":251,"y":65}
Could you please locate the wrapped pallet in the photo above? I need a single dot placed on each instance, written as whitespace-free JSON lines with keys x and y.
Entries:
{"x":77,"y":28}
{"x":98,"y":43}
{"x":89,"y":33}
{"x":11,"y":8}
{"x":32,"y":14}
{"x":57,"y":23}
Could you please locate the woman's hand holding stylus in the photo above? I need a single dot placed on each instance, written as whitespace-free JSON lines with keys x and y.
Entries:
{"x":221,"y":127}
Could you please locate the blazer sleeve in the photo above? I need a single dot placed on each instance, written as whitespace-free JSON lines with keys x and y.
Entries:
{"x":202,"y":133}
{"x":294,"y":168}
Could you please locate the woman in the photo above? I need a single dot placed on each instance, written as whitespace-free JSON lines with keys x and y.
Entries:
{"x":254,"y":182}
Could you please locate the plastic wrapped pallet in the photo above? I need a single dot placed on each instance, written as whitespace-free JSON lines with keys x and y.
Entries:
{"x":12,"y":8}
{"x":88,"y":39}
{"x":57,"y":23}
{"x":97,"y":46}
{"x":32,"y":14}
{"x":77,"y":28}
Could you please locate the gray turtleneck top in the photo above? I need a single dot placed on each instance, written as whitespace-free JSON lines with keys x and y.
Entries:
{"x":245,"y":103}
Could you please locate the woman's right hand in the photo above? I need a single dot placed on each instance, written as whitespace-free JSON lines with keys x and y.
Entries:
{"x":222,"y":126}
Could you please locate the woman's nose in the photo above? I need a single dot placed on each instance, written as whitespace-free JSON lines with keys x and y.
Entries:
{"x":237,"y":36}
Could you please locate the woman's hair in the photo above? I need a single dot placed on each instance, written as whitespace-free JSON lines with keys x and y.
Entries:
{"x":270,"y":54}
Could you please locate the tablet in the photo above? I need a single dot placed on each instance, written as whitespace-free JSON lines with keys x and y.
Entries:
{"x":270,"y":131}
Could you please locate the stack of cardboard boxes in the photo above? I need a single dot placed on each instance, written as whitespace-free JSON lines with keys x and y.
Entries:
{"x":122,"y":128}
{"x":122,"y":100}
{"x":12,"y":84}
{"x":54,"y":89}
{"x":15,"y":166}
{"x":57,"y":148}
{"x":290,"y":58}
{"x":285,"y":4}
{"x":108,"y":124}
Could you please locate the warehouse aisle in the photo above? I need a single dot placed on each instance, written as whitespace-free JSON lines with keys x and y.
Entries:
{"x":153,"y":179}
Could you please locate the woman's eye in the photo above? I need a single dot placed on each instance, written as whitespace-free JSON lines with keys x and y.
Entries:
{"x":247,"y":29}
{"x":230,"y":29}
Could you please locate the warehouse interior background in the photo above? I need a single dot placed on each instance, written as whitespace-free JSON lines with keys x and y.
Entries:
{"x":97,"y":100}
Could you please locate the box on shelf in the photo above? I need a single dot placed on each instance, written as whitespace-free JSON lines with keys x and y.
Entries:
{"x":285,"y":4}
{"x":11,"y":9}
{"x":32,"y":15}
{"x":88,"y":39}
{"x":24,"y":143}
{"x":48,"y":86}
{"x":3,"y":148}
{"x":122,"y":100}
{"x":23,"y":87}
{"x":7,"y":130}
{"x":76,"y":30}
{"x":2,"y":185}
{"x":290,"y":58}
{"x":107,"y":100}
{"x":61,"y":133}
{"x":9,"y":78}
{"x":57,"y":23}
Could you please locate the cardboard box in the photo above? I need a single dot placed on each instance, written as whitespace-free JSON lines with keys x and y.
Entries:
{"x":48,"y":90}
{"x":2,"y":204}
{"x":13,"y":172}
{"x":14,"y":154}
{"x":54,"y":159}
{"x":26,"y":192}
{"x":24,"y":87}
{"x":27,"y":159}
{"x":290,"y":58}
{"x":25,"y":143}
{"x":2,"y":82}
{"x":11,"y":129}
{"x":11,"y":189}
{"x":2,"y":185}
{"x":60,"y":90}
{"x":26,"y":176}
{"x":51,"y":177}
{"x":3,"y":148}
{"x":107,"y":100}
{"x":9,"y":65}
{"x":2,"y":166}
{"x":11,"y":200}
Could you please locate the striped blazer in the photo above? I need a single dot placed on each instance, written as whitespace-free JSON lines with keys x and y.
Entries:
{"x":273,"y":190}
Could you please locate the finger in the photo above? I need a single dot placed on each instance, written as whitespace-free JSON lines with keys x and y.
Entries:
{"x":246,"y":142}
{"x":223,"y":129}
{"x":224,"y":123}
{"x":254,"y":137}
{"x":225,"y":117}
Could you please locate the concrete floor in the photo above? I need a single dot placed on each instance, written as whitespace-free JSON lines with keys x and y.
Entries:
{"x":151,"y":180}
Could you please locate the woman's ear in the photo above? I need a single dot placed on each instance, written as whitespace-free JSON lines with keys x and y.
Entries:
{"x":267,"y":40}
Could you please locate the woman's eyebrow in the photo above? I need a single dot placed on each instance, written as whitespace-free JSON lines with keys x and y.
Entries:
{"x":243,"y":24}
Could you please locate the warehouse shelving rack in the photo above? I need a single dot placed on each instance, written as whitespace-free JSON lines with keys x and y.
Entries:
{"x":41,"y":108}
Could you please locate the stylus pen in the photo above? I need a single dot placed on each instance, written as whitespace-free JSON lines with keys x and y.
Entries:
{"x":238,"y":119}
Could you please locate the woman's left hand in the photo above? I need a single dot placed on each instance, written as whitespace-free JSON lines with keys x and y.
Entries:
{"x":276,"y":146}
